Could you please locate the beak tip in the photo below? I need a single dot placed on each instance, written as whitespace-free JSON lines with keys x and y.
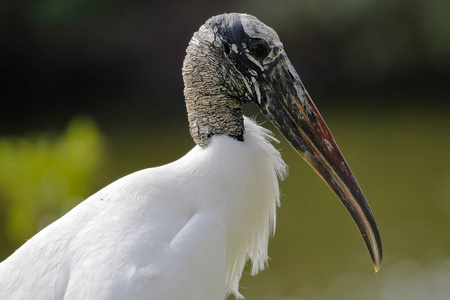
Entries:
{"x":377,"y":265}
{"x":377,"y":268}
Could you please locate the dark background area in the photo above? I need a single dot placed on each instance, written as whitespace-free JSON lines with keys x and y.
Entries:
{"x":112,"y":59}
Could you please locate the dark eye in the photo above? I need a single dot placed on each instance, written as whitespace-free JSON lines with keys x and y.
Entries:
{"x":258,"y":47}
{"x":227,"y":49}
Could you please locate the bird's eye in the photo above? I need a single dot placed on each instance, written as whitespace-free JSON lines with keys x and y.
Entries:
{"x":227,"y":49}
{"x":258,"y":47}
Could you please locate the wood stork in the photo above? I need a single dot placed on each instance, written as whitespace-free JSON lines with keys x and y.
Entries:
{"x":186,"y":229}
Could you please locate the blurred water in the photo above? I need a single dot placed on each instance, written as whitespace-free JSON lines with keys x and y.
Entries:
{"x":401,"y":162}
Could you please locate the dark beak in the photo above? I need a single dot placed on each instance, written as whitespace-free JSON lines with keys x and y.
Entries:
{"x":287,"y":104}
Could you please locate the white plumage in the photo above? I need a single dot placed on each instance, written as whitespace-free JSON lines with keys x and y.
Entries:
{"x":180,"y":231}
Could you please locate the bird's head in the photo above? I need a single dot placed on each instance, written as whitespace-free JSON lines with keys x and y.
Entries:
{"x":235,"y":59}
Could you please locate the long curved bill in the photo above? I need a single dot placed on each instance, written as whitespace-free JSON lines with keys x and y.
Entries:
{"x":286,"y":103}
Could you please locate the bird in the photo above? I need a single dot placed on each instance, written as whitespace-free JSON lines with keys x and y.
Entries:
{"x":185,"y":230}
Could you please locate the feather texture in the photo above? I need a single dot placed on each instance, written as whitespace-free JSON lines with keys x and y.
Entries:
{"x":146,"y":234}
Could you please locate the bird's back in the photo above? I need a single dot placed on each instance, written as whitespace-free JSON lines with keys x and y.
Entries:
{"x":124,"y":242}
{"x":169,"y":232}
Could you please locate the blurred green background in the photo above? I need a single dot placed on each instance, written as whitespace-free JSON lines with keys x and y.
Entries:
{"x":93,"y":91}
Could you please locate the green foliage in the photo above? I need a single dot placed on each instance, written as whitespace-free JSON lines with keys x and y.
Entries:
{"x":43,"y":177}
{"x":62,"y":12}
